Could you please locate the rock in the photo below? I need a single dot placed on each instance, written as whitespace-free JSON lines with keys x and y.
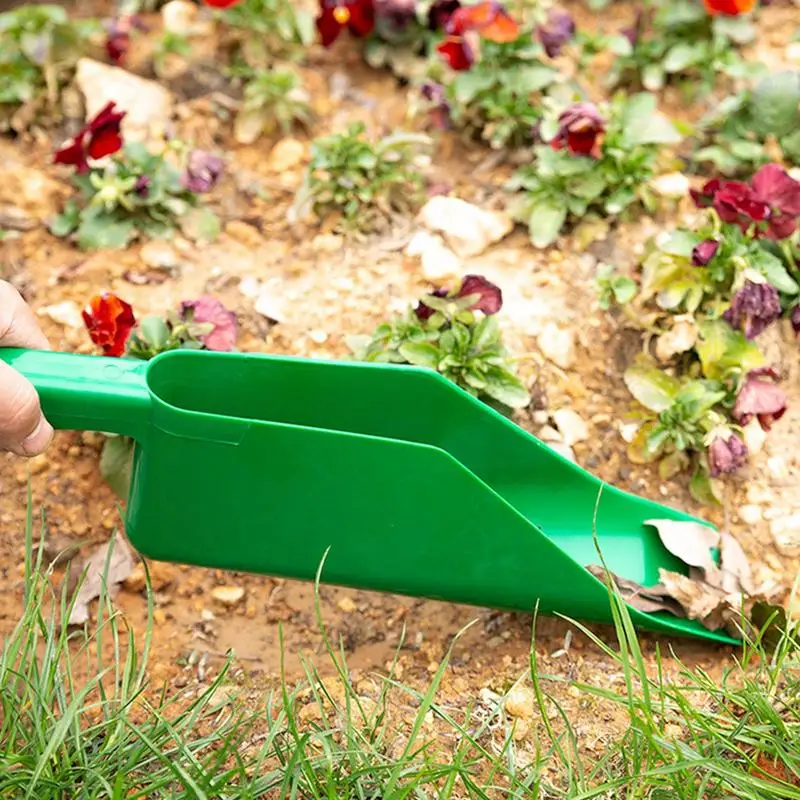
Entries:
{"x":785,"y":531}
{"x":754,"y":436}
{"x":318,"y":336}
{"x":250,"y":287}
{"x":244,"y":233}
{"x":178,"y":16}
{"x":558,"y":345}
{"x":521,"y":730}
{"x":549,"y":434}
{"x":438,"y":261}
{"x":750,"y":514}
{"x":161,"y":576}
{"x":469,"y":230}
{"x":563,"y":449}
{"x":159,"y":255}
{"x":520,"y":702}
{"x":148,"y":104}
{"x":228,"y":596}
{"x":628,"y":431}
{"x":270,"y":305}
{"x":672,"y":184}
{"x":287,"y":154}
{"x":347,"y":605}
{"x":66,"y":313}
{"x":681,"y":337}
{"x":15,"y":219}
{"x":571,"y":425}
{"x":327,"y":243}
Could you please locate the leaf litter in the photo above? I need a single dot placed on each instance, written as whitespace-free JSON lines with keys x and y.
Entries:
{"x":721,"y":596}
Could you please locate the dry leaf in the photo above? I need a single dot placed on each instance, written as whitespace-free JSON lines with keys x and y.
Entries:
{"x":691,"y":542}
{"x":701,"y":601}
{"x":120,"y":566}
{"x":737,"y":575}
{"x":647,"y":599}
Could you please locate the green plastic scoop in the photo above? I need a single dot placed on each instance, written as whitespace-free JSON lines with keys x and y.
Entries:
{"x":261,"y":463}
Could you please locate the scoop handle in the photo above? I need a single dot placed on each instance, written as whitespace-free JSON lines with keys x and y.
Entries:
{"x":85,"y":392}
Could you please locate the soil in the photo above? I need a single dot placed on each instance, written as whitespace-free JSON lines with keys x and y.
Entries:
{"x":326,"y":288}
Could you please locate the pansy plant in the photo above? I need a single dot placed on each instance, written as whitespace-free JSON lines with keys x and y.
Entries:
{"x":592,"y":159}
{"x":127,"y":192}
{"x":704,"y":298}
{"x":363,"y":181}
{"x":684,"y":42}
{"x":456,"y":333}
{"x":748,"y":129}
{"x":203,"y":323}
{"x":40,"y":48}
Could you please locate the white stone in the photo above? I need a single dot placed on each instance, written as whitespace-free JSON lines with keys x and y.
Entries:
{"x":786,"y":531}
{"x":469,"y":230}
{"x":178,"y":16}
{"x":520,"y":702}
{"x":754,"y":436}
{"x":572,"y":426}
{"x":750,"y":514}
{"x":558,"y":345}
{"x":67,"y":314}
{"x":147,"y":103}
{"x":671,"y":184}
{"x":438,"y":261}
{"x":563,"y":449}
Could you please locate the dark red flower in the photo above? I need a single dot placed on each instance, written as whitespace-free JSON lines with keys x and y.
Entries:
{"x":142,"y":187}
{"x":729,"y":8}
{"x":795,"y":320}
{"x":221,"y":3}
{"x":358,"y":16}
{"x":772,"y":202}
{"x":487,"y":297}
{"x":202,"y":171}
{"x":440,"y":12}
{"x":580,"y":130}
{"x":109,"y":321}
{"x":456,"y":51}
{"x":210,"y":310}
{"x":726,"y":455}
{"x":394,"y":16}
{"x":426,"y":312}
{"x":633,"y":33}
{"x":761,"y":399}
{"x":439,"y":110}
{"x":488,"y":20}
{"x":754,"y":308}
{"x":556,"y":32}
{"x":704,"y":252}
{"x":100,"y":137}
{"x":119,"y":35}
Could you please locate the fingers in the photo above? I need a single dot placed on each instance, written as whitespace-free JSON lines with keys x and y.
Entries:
{"x":18,"y":325}
{"x":23,"y":428}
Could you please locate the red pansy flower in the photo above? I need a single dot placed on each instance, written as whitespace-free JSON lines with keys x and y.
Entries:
{"x":358,"y":16}
{"x":488,"y":298}
{"x":489,"y":20}
{"x":110,"y":321}
{"x":210,"y":310}
{"x":100,"y":137}
{"x":221,"y":3}
{"x":580,"y":130}
{"x":729,"y":8}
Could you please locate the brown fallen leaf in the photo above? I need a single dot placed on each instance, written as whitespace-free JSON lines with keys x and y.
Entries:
{"x":700,"y":600}
{"x":647,"y":599}
{"x":120,"y":566}
{"x":735,"y":574}
{"x":691,"y":542}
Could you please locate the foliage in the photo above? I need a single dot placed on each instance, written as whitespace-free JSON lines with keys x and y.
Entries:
{"x":703,"y":297}
{"x":138,"y":193}
{"x":274,"y":100}
{"x":678,"y":41}
{"x":260,"y":33}
{"x":563,"y":184}
{"x":364,"y":181}
{"x":500,"y":99}
{"x":753,"y":127}
{"x":39,"y":47}
{"x":455,"y":333}
{"x":168,"y":46}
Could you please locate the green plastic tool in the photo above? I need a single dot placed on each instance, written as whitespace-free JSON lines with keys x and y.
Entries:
{"x":261,"y":463}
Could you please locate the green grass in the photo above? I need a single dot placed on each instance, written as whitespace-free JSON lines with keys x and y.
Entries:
{"x":110,"y":735}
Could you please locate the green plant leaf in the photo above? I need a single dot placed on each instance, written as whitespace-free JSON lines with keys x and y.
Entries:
{"x":506,"y":388}
{"x":721,"y":349}
{"x":773,"y":269}
{"x":683,"y":55}
{"x":101,"y":232}
{"x":200,"y":224}
{"x":654,"y":389}
{"x":643,"y":123}
{"x":420,"y":354}
{"x":67,"y":221}
{"x":115,"y":464}
{"x":545,"y":221}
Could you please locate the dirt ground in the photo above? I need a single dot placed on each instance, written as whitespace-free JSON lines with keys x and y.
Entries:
{"x":326,"y":288}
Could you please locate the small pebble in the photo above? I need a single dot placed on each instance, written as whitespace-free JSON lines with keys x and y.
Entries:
{"x":571,"y":425}
{"x":228,"y":596}
{"x":520,"y":702}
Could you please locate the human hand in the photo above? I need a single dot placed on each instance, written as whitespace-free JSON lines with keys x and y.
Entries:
{"x":23,"y":428}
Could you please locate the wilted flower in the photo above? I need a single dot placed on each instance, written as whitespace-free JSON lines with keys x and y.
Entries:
{"x":488,"y":296}
{"x":794,"y":318}
{"x":726,"y":454}
{"x":104,"y":138}
{"x":202,"y":171}
{"x":556,"y":32}
{"x":772,"y":199}
{"x":109,"y":321}
{"x":761,"y":399}
{"x":729,"y":8}
{"x":142,"y":186}
{"x":633,"y":33}
{"x":119,"y":35}
{"x":440,"y":109}
{"x":704,"y":252}
{"x":394,"y":15}
{"x":580,"y":130}
{"x":488,"y":19}
{"x":358,"y":16}
{"x":754,"y":308}
{"x":440,"y":12}
{"x":211,"y":311}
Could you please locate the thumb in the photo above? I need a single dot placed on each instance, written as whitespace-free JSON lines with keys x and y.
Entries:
{"x":23,"y":428}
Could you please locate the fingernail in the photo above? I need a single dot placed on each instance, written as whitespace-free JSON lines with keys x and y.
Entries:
{"x":37,"y":442}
